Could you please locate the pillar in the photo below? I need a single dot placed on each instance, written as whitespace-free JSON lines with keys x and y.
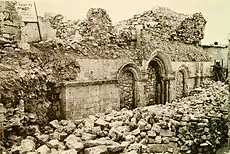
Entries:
{"x":2,"y":112}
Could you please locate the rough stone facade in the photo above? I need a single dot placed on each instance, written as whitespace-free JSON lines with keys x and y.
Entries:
{"x":127,"y":91}
{"x":180,"y":84}
{"x":2,"y":118}
{"x":150,"y":89}
{"x":102,"y":71}
{"x":10,"y":21}
{"x":136,"y":86}
{"x":81,"y":99}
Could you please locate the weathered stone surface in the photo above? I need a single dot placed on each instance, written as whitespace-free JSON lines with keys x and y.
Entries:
{"x":101,"y":122}
{"x":27,"y":145}
{"x":135,"y":147}
{"x":158,"y":147}
{"x":97,"y":142}
{"x":73,"y":142}
{"x":43,"y":149}
{"x":55,"y":124}
{"x":116,"y":148}
{"x":53,"y":143}
{"x":158,"y":139}
{"x":136,"y":132}
{"x":96,"y":150}
{"x":87,"y":136}
{"x":69,"y":128}
{"x":172,"y":128}
{"x":43,"y":138}
{"x":70,"y":151}
{"x":164,"y":132}
{"x":156,"y":128}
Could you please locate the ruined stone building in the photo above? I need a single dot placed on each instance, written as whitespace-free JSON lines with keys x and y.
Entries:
{"x":60,"y":69}
{"x":149,"y":59}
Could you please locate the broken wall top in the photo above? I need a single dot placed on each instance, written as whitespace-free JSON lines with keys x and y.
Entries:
{"x":96,"y":37}
{"x":10,"y":21}
{"x":167,"y":25}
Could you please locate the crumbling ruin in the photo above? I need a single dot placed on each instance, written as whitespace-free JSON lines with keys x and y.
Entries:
{"x":144,"y":66}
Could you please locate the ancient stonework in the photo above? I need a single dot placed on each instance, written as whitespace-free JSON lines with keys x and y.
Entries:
{"x":127,"y":91}
{"x":9,"y":21}
{"x":151,"y":85}
{"x":180,"y":85}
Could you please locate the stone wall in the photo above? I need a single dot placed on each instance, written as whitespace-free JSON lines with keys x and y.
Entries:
{"x":195,"y":73}
{"x":30,"y":31}
{"x":151,"y":86}
{"x":131,"y":87}
{"x":81,"y":99}
{"x":9,"y":21}
{"x":217,"y":53}
{"x":127,"y":90}
{"x":196,"y":124}
{"x":99,"y":69}
{"x":2,"y":117}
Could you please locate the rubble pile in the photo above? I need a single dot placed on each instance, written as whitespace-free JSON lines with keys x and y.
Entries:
{"x":177,"y":51}
{"x":166,"y":24}
{"x":195,"y":124}
{"x":28,"y":80}
{"x":95,"y":37}
{"x":174,"y":33}
{"x":89,"y":38}
{"x":65,"y":28}
{"x":191,"y":30}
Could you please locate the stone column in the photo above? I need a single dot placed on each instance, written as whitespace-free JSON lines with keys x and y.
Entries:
{"x":2,"y":111}
{"x":169,"y":87}
{"x":138,"y":34}
{"x":198,"y":75}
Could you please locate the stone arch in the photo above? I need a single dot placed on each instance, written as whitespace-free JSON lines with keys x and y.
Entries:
{"x":162,"y":59}
{"x":182,"y":75}
{"x":128,"y":75}
{"x":131,"y":67}
{"x":158,"y":69}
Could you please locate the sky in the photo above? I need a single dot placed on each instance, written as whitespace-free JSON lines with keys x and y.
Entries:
{"x":216,"y":12}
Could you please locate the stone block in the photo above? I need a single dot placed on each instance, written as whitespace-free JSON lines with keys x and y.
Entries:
{"x":158,"y":147}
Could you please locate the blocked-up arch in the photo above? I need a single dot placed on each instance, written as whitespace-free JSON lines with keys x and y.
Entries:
{"x":130,"y":67}
{"x":182,"y":75}
{"x":158,"y":67}
{"x":128,"y":75}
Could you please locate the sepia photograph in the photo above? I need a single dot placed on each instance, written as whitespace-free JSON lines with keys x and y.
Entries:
{"x":114,"y":77}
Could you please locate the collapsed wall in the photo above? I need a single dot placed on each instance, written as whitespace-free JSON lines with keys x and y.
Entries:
{"x":195,"y":124}
{"x":29,"y":76}
{"x":166,"y":25}
{"x":10,"y":21}
{"x":175,"y":34}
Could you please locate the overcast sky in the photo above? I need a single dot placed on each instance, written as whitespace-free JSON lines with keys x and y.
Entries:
{"x":216,"y":12}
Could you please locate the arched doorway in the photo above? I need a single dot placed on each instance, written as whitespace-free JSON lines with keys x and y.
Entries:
{"x":155,"y":84}
{"x":158,"y":73}
{"x":128,"y":76}
{"x":181,"y":81}
{"x":127,"y":90}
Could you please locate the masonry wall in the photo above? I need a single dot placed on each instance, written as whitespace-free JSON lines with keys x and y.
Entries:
{"x":99,"y":69}
{"x":30,"y":31}
{"x":81,"y":99}
{"x":218,"y":53}
{"x":98,"y":88}
{"x":198,"y":71}
{"x":95,"y":90}
{"x":2,"y":111}
{"x":9,"y":21}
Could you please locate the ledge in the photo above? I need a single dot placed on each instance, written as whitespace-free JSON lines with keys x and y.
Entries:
{"x":86,"y":83}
